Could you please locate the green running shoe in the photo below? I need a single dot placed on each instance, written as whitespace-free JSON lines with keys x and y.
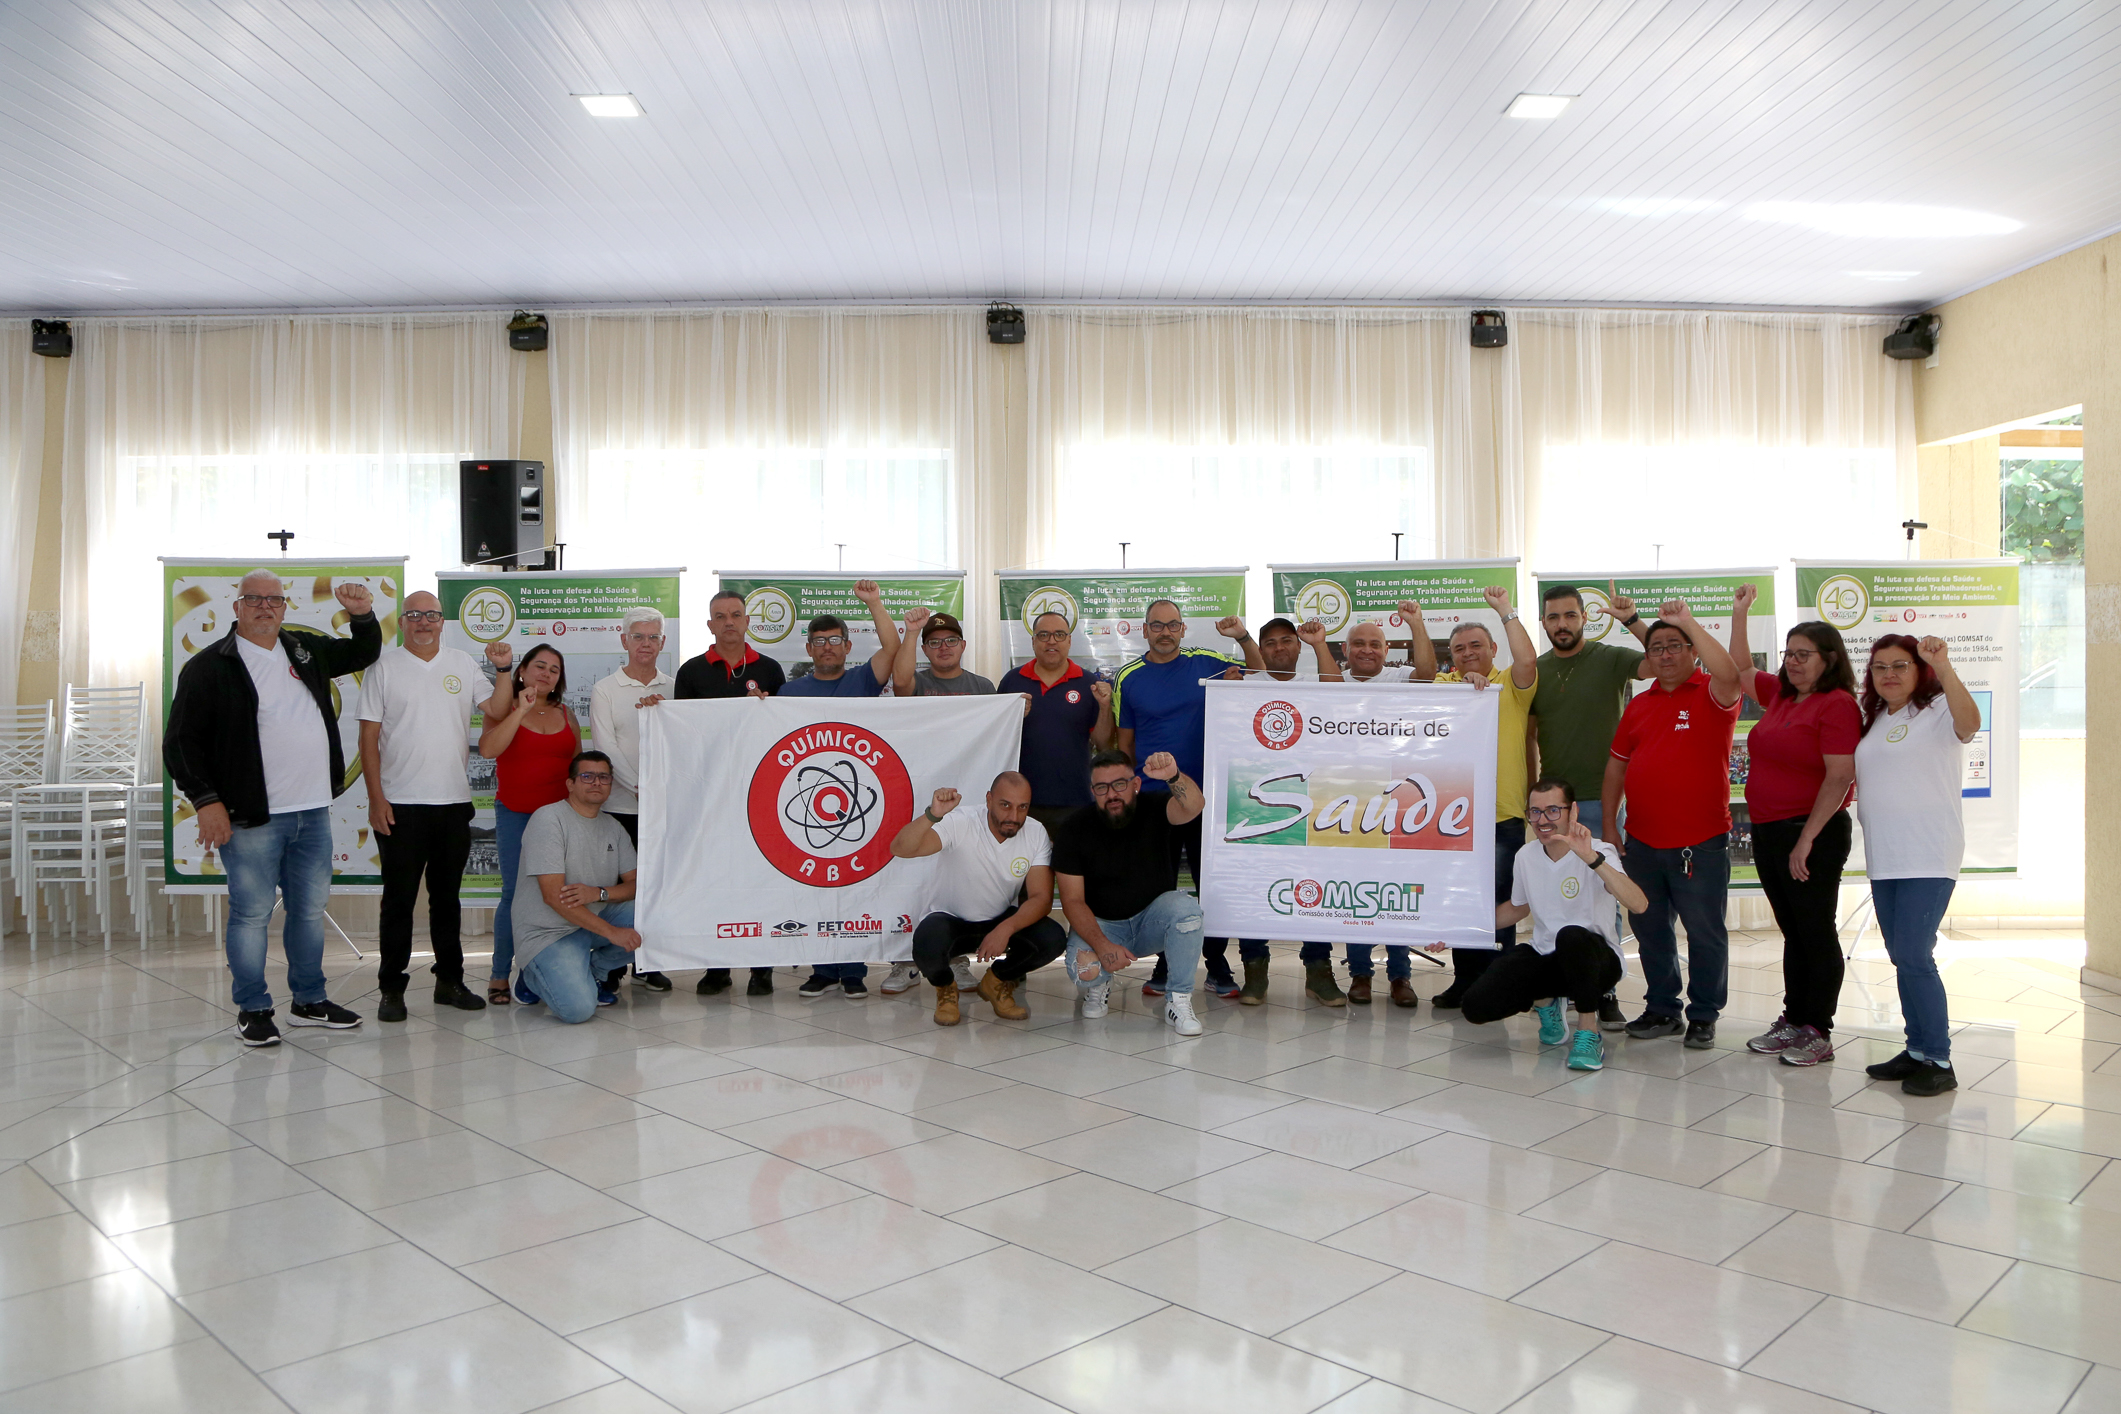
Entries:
{"x":1552,"y":1031}
{"x":1588,"y":1053}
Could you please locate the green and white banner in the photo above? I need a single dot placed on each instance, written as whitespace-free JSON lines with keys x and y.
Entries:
{"x":1709,"y":594}
{"x":198,"y":609}
{"x":782,"y":605}
{"x":1973,"y":606}
{"x":577,"y":612}
{"x":1449,"y":592}
{"x":1104,"y":608}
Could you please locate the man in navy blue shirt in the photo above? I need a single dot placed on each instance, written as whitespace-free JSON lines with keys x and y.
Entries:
{"x":1163,"y":707}
{"x":1068,"y":717}
{"x":828,"y":643}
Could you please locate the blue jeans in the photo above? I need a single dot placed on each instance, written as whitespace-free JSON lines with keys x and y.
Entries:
{"x":1399,"y":961}
{"x":1591,"y":815}
{"x":1909,"y":911}
{"x":1256,"y":950}
{"x":508,"y":827}
{"x":567,"y":974}
{"x":1696,"y":896}
{"x":1170,"y":925}
{"x":290,"y":854}
{"x":840,"y":971}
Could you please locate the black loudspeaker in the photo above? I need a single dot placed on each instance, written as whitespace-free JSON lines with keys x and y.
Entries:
{"x":1489,"y":330}
{"x":501,"y":507}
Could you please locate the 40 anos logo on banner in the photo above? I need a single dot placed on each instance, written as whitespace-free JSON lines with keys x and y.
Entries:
{"x":487,"y":614}
{"x":1278,"y":726}
{"x":825,"y":801}
{"x":1049,"y":599}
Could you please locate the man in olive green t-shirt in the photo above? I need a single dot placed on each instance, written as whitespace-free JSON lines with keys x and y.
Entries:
{"x":1583,"y":688}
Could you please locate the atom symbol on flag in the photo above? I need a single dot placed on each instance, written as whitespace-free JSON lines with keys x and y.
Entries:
{"x":830,"y":805}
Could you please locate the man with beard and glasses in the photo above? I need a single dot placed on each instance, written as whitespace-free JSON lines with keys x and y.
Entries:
{"x":991,"y":892}
{"x":1119,"y":885}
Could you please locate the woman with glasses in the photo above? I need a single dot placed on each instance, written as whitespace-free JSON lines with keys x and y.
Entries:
{"x":1908,"y":767}
{"x":1802,"y":763}
{"x":530,"y":736}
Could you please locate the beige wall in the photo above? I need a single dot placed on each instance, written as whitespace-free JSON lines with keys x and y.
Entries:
{"x":2044,"y":339}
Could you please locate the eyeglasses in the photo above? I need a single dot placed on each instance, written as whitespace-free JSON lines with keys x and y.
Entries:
{"x":642,"y":637}
{"x":1798,"y":655}
{"x":594,"y":778}
{"x":1547,"y":812}
{"x":1118,"y":787}
{"x":1668,"y":650}
{"x":261,"y":601}
{"x":1165,"y":625}
{"x":1898,"y":665}
{"x":1049,"y":636}
{"x":830,"y":641}
{"x":422,"y":616}
{"x":941,"y":642}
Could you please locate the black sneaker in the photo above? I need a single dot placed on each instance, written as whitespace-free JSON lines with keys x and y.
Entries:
{"x":1650,"y":1024}
{"x":653,"y":981}
{"x":1900,"y":1067}
{"x":1450,"y":998}
{"x":390,"y":1006}
{"x":1610,"y":1017}
{"x":1930,"y":1080}
{"x":855,"y":988}
{"x":450,"y":991}
{"x":713,"y":982}
{"x":326,"y":1013}
{"x":761,"y":983}
{"x":815,"y":986}
{"x":256,"y":1028}
{"x":611,"y":981}
{"x":1701,"y":1035}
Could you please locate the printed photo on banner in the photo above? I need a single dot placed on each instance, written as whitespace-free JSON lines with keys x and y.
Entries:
{"x":1104,"y":608}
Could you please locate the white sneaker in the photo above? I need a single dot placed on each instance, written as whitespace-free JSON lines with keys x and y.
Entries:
{"x":1178,"y":1010}
{"x":962,"y":971}
{"x":1097,"y":999}
{"x":904,"y":977}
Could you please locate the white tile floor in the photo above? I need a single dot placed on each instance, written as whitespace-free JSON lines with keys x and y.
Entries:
{"x":772,"y":1205}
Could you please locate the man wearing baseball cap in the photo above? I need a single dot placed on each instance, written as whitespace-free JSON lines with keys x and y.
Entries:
{"x":942,"y":640}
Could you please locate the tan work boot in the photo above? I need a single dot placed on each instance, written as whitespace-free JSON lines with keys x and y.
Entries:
{"x":1318,"y":981}
{"x":947,"y":1011}
{"x":1403,"y":994}
{"x":1002,"y":997}
{"x":1359,"y":990}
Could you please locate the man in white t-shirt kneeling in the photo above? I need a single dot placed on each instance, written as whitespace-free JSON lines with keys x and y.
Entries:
{"x":1567,"y":881}
{"x":991,"y":893}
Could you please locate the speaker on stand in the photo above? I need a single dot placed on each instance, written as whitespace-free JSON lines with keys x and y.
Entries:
{"x":501,"y":507}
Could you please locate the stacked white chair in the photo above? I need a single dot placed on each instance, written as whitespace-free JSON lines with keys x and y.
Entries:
{"x":26,"y":759}
{"x":143,"y":856}
{"x":71,"y":833}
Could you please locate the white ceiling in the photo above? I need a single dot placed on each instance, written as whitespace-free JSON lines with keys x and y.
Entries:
{"x":278,"y":153}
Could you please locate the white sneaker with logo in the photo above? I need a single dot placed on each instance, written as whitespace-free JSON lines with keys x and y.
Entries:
{"x":1178,"y":1010}
{"x":903,"y":978}
{"x":961,"y":969}
{"x":1097,"y":999}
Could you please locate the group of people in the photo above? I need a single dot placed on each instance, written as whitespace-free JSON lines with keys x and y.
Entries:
{"x":1607,"y":799}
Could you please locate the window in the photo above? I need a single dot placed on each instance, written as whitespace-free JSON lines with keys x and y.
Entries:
{"x":1200,"y":506}
{"x":2043,"y":521}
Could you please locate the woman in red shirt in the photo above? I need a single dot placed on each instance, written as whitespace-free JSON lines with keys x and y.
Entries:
{"x":1797,"y":792}
{"x":530,"y":736}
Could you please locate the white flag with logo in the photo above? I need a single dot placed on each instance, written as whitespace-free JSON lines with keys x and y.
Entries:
{"x":1345,"y":813}
{"x":766,"y":826}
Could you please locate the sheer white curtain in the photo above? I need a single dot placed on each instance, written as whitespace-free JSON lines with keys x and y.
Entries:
{"x":779,"y":439}
{"x":21,"y":477}
{"x":1699,"y":439}
{"x":198,"y":436}
{"x":1250,"y":435}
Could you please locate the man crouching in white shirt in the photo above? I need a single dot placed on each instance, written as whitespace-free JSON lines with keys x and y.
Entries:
{"x":1567,"y":881}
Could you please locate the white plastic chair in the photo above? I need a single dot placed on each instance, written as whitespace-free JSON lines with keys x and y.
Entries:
{"x":72,"y":831}
{"x":143,"y":858}
{"x":27,"y":745}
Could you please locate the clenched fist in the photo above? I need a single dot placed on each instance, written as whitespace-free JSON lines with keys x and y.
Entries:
{"x":501,"y":656}
{"x":1498,"y":598}
{"x":1231,"y":626}
{"x":1312,"y":632}
{"x":355,"y":598}
{"x":1162,"y":766}
{"x":1102,"y":691}
{"x":944,"y":801}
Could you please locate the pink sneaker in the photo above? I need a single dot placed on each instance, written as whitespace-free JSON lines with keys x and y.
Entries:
{"x":1777,"y":1038}
{"x":1808,"y":1047}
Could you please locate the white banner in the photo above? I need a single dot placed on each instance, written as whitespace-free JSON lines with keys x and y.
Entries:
{"x":766,"y":826}
{"x":1341,"y":813}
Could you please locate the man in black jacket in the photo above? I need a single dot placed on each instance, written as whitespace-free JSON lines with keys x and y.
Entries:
{"x":253,"y":742}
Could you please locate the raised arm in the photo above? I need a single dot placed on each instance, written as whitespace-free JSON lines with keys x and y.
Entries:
{"x":1741,"y":647}
{"x":1186,"y":801}
{"x":1715,"y":659}
{"x":917,"y":838}
{"x":1966,"y":713}
{"x":902,"y":661}
{"x":1524,"y":658}
{"x":1422,"y":652}
{"x":1231,"y":626}
{"x":886,"y":653}
{"x":1314,"y":633}
{"x":1623,"y":612}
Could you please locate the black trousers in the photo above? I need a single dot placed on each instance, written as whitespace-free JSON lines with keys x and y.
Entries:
{"x":1186,"y":853}
{"x":434,"y":840}
{"x":942,"y":936}
{"x":1583,"y":967}
{"x":1805,"y":910}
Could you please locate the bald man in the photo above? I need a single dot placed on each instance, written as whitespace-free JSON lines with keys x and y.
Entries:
{"x":990,"y":893}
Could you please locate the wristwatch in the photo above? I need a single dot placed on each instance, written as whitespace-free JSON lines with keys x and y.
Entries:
{"x":1631,"y":620}
{"x":1509,"y":616}
{"x":603,"y":894}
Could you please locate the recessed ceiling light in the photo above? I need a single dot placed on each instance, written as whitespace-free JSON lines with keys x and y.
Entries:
{"x":611,"y":105}
{"x":1882,"y":218}
{"x":1656,"y":205}
{"x":1883,"y":274}
{"x":1538,"y":105}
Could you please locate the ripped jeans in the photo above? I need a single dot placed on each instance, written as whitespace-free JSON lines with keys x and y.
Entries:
{"x":1170,"y":925}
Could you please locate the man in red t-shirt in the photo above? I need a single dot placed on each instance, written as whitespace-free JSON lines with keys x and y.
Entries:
{"x":1671,"y":763}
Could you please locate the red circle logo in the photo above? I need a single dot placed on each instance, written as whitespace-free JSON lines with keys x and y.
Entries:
{"x":1278,"y":726}
{"x":558,"y":627}
{"x":1074,"y":697}
{"x":1308,"y":893}
{"x":825,"y":801}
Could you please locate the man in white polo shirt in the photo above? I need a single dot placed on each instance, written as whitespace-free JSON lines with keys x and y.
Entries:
{"x":1567,"y":881}
{"x":615,"y":727}
{"x":416,"y":706}
{"x":992,"y":891}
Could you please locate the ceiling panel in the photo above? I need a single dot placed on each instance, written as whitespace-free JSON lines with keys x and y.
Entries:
{"x":288,"y":153}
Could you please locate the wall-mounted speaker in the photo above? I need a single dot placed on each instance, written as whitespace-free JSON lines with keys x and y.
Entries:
{"x":501,"y":506}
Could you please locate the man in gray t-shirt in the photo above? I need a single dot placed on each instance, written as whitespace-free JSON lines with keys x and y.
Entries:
{"x":942,"y":638}
{"x":574,"y":898}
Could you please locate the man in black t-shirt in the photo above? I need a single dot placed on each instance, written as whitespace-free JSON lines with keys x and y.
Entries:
{"x":1119,"y":888}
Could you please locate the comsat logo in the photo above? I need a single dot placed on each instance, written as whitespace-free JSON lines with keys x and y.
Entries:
{"x":1344,"y":898}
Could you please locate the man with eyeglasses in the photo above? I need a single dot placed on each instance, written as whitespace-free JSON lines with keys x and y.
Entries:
{"x":1671,"y":764}
{"x":253,"y":744}
{"x":574,"y":909}
{"x":1162,"y":707}
{"x":615,"y":727}
{"x":415,"y":713}
{"x":942,"y":638}
{"x":1068,"y":715}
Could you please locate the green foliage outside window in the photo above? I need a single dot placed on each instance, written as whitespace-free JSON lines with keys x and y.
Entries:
{"x":2043,"y":510}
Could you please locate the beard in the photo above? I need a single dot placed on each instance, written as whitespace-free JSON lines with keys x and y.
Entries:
{"x":1563,"y":638}
{"x":1124,"y":818}
{"x":1005,"y":829}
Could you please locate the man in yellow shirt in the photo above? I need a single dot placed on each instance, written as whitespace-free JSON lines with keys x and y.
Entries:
{"x":1473,"y":661}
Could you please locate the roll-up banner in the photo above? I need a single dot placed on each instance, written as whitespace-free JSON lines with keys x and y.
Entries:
{"x":1350,"y":814}
{"x":1709,"y":594}
{"x":198,"y":610}
{"x":1449,"y":592}
{"x":1104,"y":608}
{"x":782,"y":605}
{"x":766,"y":826}
{"x":577,"y":612}
{"x":1973,"y":606}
